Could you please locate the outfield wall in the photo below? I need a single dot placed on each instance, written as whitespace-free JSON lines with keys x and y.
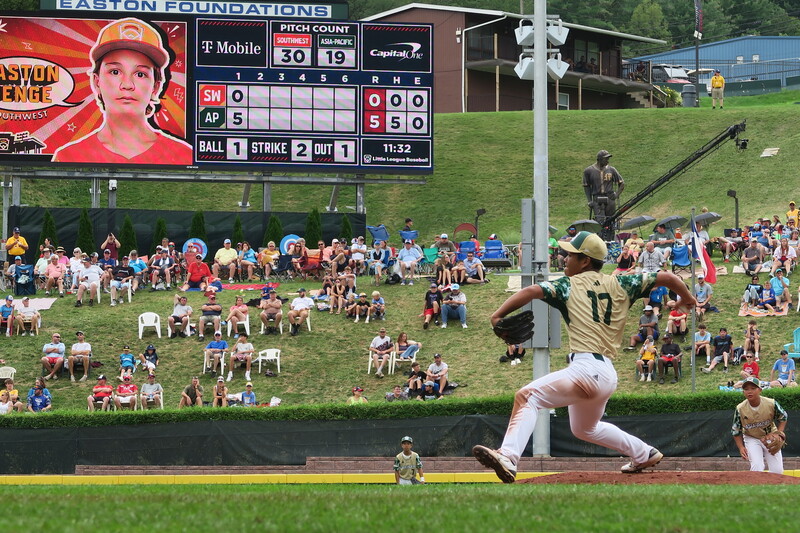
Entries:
{"x":242,"y":443}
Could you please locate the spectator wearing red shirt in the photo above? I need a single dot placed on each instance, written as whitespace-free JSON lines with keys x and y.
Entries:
{"x":100,"y":393}
{"x":749,"y":369}
{"x":198,"y":275}
{"x":126,"y":394}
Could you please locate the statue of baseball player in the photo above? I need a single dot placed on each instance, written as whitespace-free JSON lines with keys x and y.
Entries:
{"x":595,"y":308}
{"x":758,"y":425}
{"x":598,"y":185}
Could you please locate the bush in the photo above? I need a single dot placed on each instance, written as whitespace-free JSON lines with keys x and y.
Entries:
{"x":274,"y":231}
{"x":127,"y":237}
{"x":48,"y":230}
{"x":85,"y":233}
{"x":237,"y":235}
{"x":313,"y":231}
{"x":346,"y":232}
{"x":198,"y":228}
{"x":159,"y":233}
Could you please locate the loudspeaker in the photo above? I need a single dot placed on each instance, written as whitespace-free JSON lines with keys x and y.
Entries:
{"x":524,"y":68}
{"x":557,"y":35}
{"x":524,"y":33}
{"x":557,"y":68}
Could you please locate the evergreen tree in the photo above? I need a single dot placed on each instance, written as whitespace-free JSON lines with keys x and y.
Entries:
{"x":198,"y":227}
{"x":274,"y":231}
{"x":313,"y":231}
{"x":85,"y":233}
{"x":159,"y":233}
{"x":347,"y":230}
{"x":238,"y":233}
{"x":127,"y":237}
{"x":647,"y":19}
{"x":48,"y":230}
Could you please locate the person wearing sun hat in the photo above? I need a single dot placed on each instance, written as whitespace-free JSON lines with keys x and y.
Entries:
{"x":127,"y":77}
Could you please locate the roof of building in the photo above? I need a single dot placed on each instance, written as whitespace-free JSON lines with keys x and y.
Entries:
{"x":707,"y":46}
{"x":505,"y":14}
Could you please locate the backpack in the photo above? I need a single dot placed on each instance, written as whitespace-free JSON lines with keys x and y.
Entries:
{"x":394,"y":279}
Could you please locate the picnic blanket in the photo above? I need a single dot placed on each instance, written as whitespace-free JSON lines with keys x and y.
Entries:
{"x":783,"y":310}
{"x":250,"y":286}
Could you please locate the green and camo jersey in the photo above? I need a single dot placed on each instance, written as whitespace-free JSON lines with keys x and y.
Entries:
{"x":595,"y":307}
{"x":760,"y":421}
{"x":407,"y":465}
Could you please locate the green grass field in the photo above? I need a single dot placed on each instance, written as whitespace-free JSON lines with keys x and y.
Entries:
{"x":447,"y":508}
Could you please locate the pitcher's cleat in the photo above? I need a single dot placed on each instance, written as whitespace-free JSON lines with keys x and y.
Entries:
{"x":501,"y":464}
{"x":654,"y":458}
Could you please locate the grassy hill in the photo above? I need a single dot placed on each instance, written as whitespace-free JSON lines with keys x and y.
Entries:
{"x":482,"y":160}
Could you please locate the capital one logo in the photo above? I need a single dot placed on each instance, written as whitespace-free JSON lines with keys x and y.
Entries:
{"x":402,"y":52}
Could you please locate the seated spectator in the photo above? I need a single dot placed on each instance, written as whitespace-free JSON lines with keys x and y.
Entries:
{"x":438,"y":372}
{"x":89,"y":279}
{"x":753,"y":258}
{"x":268,"y":258}
{"x":40,"y":267}
{"x":12,"y":270}
{"x":404,"y":348}
{"x":648,"y":327}
{"x":7,"y":315}
{"x":13,"y":395}
{"x":350,"y":306}
{"x":514,"y":353}
{"x":74,"y":266}
{"x":651,"y":259}
{"x":211,"y":315}
{"x":178,"y":321}
{"x":220,"y":391}
{"x":337,"y":296}
{"x":784,"y":368}
{"x":39,"y":382}
{"x":378,"y":260}
{"x":676,"y":321}
{"x":192,"y":395}
{"x":656,"y":299}
{"x":53,"y":358}
{"x":723,"y":347}
{"x":446,"y":247}
{"x":670,"y":355}
{"x":752,"y":338}
{"x":730,"y":244}
{"x":407,"y":258}
{"x":139,"y":270}
{"x":702,"y":343}
{"x":663,"y":239}
{"x":151,"y":392}
{"x":299,"y":255}
{"x":6,"y":405}
{"x":377,"y":307}
{"x":225,"y":261}
{"x":752,"y":293}
{"x":358,"y":255}
{"x":299,"y":310}
{"x":162,"y":267}
{"x":397,"y":395}
{"x":241,"y":352}
{"x":81,"y":352}
{"x":338,"y":257}
{"x":126,"y":393}
{"x":768,"y":300}
{"x":127,"y":363}
{"x":247,"y":261}
{"x":749,"y":369}
{"x":458,"y":273}
{"x":416,"y":380}
{"x":27,"y":315}
{"x":702,"y":293}
{"x":271,"y":310}
{"x":379,"y":350}
{"x":780,"y":286}
{"x":647,"y":359}
{"x":784,"y":257}
{"x":54,"y":274}
{"x":433,"y":306}
{"x":362,"y":307}
{"x":455,"y":306}
{"x":106,"y":264}
{"x":635,"y":244}
{"x":39,"y":403}
{"x":149,"y":359}
{"x":430,"y":391}
{"x":474,"y":269}
{"x":238,"y":312}
{"x":357,"y":397}
{"x":121,"y":279}
{"x":198,"y":276}
{"x":214,"y":351}
{"x":248,"y":396}
{"x":626,"y":262}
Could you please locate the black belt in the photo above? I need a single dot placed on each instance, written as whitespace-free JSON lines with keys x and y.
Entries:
{"x":597,"y":356}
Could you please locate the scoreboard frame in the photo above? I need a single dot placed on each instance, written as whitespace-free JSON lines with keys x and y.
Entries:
{"x":246,"y":94}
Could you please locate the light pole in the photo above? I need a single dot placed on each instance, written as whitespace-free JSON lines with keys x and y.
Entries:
{"x":732,"y":194}
{"x":478,"y":214}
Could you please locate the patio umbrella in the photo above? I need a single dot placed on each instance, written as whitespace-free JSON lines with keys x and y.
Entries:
{"x":672,"y":222}
{"x":592,"y":226}
{"x":552,"y":229}
{"x":638,"y":222}
{"x":707,"y":218}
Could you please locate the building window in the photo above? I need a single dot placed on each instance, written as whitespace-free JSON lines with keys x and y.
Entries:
{"x":756,"y":58}
{"x":563,"y":101}
{"x":740,"y":59}
{"x":480,"y":44}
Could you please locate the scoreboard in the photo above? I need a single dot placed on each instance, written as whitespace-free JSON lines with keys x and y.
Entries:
{"x":272,"y":95}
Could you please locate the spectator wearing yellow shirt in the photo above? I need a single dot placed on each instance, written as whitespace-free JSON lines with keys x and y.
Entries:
{"x":717,"y":89}
{"x":16,"y":244}
{"x":647,"y":359}
{"x":225,"y":258}
{"x":793,"y":214}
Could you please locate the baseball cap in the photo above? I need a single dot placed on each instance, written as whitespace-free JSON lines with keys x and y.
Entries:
{"x":335,"y":241}
{"x":248,"y":384}
{"x":25,"y":299}
{"x":364,"y":294}
{"x":648,"y":308}
{"x":126,"y":347}
{"x":792,"y":202}
{"x":701,"y":276}
{"x":220,"y":379}
{"x":407,"y":241}
{"x":77,"y":251}
{"x":226,"y":241}
{"x":95,"y":254}
{"x":163,"y":251}
{"x":78,"y":333}
{"x":150,"y":347}
{"x":455,"y":287}
{"x":130,"y":34}
{"x":18,"y":258}
{"x":101,"y":376}
{"x":603,"y":154}
{"x":106,"y":251}
{"x":217,"y":333}
{"x":433,"y":285}
{"x":586,"y":243}
{"x":382,"y":330}
{"x":437,"y":356}
{"x":407,"y":439}
{"x":716,"y":70}
{"x":301,"y":289}
{"x":9,"y":297}
{"x":443,"y":236}
{"x":171,"y":243}
{"x":753,"y":380}
{"x":429,"y":383}
{"x":359,"y":389}
{"x":126,"y":378}
{"x":493,"y":237}
{"x":16,"y":229}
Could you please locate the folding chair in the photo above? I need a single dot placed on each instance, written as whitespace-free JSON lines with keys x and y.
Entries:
{"x":149,"y":319}
{"x":24,"y":281}
{"x":140,"y":403}
{"x":379,"y":233}
{"x":736,"y":255}
{"x":270,"y":355}
{"x":681,"y":259}
{"x":495,"y":256}
{"x":263,"y":328}
{"x":463,"y":248}
{"x":283,"y":270}
{"x":222,"y":358}
{"x":793,"y":347}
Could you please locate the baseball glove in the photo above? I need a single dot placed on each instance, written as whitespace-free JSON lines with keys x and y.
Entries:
{"x":515,"y":329}
{"x":774,"y":441}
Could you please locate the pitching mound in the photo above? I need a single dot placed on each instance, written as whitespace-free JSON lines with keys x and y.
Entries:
{"x":664,"y":478}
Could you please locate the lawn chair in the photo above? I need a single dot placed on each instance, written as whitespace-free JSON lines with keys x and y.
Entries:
{"x":463,"y":248}
{"x":283,"y":270}
{"x":270,"y":355}
{"x":24,"y":281}
{"x":429,"y":256}
{"x":149,"y":320}
{"x":794,"y":347}
{"x":495,"y":256}
{"x":681,"y":259}
{"x":379,"y":233}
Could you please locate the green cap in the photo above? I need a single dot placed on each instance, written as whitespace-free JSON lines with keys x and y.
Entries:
{"x":586,"y":243}
{"x":407,"y":439}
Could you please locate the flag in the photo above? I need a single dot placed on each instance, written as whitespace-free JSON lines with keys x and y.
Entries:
{"x":699,"y":252}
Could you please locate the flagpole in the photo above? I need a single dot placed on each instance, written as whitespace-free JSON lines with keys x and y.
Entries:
{"x":694,"y":308}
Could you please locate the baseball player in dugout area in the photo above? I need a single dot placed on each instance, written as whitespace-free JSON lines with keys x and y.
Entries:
{"x":758,"y":429}
{"x":595,"y":308}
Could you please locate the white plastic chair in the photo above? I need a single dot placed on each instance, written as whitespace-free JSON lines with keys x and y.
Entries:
{"x":149,"y":319}
{"x":267,"y":356}
{"x":395,"y":358}
{"x":246,"y":325}
{"x":369,"y":364}
{"x":7,"y":372}
{"x":222,"y":358}
{"x":140,"y":403}
{"x":263,"y":327}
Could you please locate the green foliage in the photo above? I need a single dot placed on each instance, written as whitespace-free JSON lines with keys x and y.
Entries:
{"x":674,"y":98}
{"x":159,"y":232}
{"x":21,"y":5}
{"x":274,"y":231}
{"x":85,"y":233}
{"x":313,"y":231}
{"x":346,"y":232}
{"x":127,"y":237}
{"x":48,"y":230}
{"x":238,"y":234}
{"x":198,"y":227}
{"x":647,"y":19}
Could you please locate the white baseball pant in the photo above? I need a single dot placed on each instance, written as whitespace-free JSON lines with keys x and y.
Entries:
{"x":585,"y":386}
{"x":758,"y":454}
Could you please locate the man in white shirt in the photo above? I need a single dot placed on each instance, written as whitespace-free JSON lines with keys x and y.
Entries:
{"x":26,"y":313}
{"x":89,"y":278}
{"x":408,"y":257}
{"x":358,"y":253}
{"x":380,"y":348}
{"x":82,"y":351}
{"x":455,"y":306}
{"x":181,"y":312}
{"x":437,"y":372}
{"x":299,"y":310}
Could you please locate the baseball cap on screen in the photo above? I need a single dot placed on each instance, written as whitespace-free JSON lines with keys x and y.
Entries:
{"x":130,"y":34}
{"x":586,"y":243}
